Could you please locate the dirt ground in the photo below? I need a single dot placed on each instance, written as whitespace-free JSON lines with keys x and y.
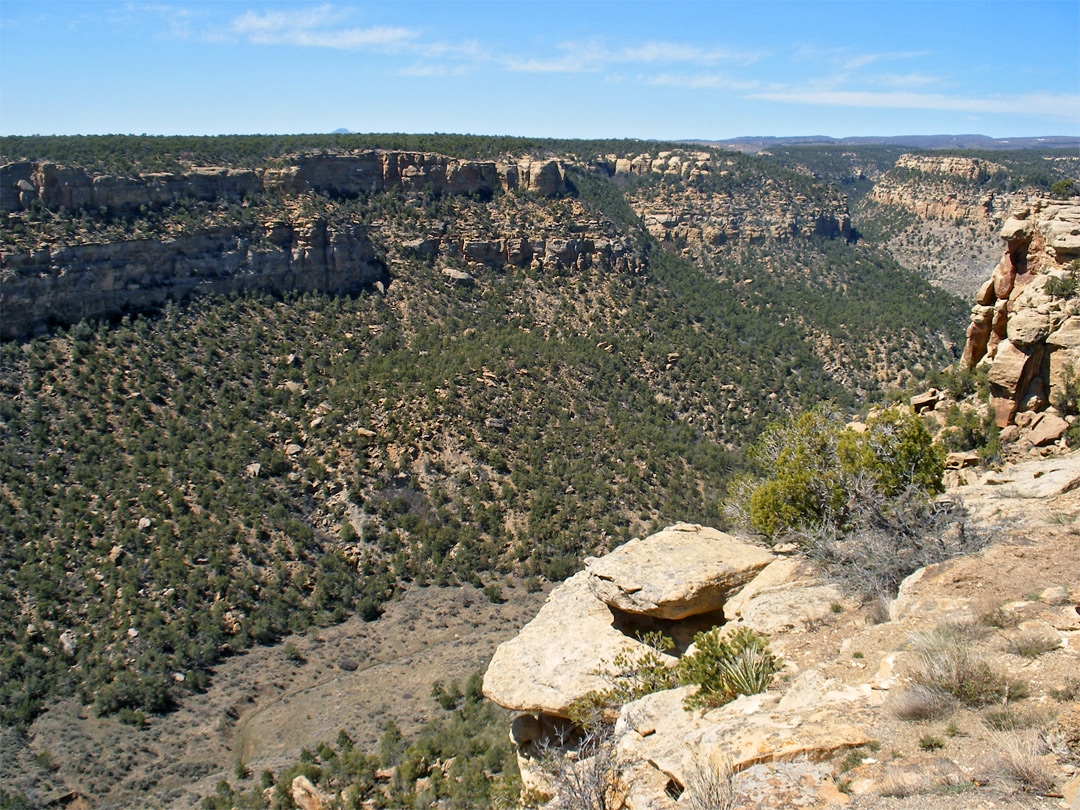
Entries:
{"x":263,"y":706}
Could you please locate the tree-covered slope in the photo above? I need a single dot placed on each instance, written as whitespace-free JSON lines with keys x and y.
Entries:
{"x":187,"y":482}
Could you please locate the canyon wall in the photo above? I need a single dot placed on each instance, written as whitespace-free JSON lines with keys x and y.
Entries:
{"x":64,"y":283}
{"x":1025,"y":325}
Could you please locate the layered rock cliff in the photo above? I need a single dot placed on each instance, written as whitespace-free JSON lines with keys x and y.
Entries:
{"x":54,"y":276}
{"x":1025,"y":326}
{"x":24,"y":182}
{"x":943,"y":187}
{"x":703,"y":203}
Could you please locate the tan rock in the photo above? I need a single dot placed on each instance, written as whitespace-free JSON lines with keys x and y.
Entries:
{"x":307,"y":796}
{"x":556,"y":657}
{"x":786,"y":594}
{"x":684,"y":570}
{"x":1009,"y":366}
{"x":1028,"y":326}
{"x":1047,"y":429}
{"x":958,"y":461}
{"x":1016,"y":230}
{"x":749,"y":731}
{"x":1067,"y":335}
{"x":925,"y":401}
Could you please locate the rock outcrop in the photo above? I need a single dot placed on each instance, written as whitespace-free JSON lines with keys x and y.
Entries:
{"x":68,"y":284}
{"x":1025,"y":325}
{"x":558,"y":656}
{"x":811,"y":739}
{"x":366,"y":172}
{"x":71,"y":278}
{"x":943,"y":187}
{"x":685,"y":570}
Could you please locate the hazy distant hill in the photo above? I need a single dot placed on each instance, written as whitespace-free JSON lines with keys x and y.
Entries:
{"x":755,"y":143}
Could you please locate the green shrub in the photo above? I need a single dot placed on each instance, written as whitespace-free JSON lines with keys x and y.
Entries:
{"x":632,"y":674}
{"x":726,"y":665}
{"x":896,"y":450}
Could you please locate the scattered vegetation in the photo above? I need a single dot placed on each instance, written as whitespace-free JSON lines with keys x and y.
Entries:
{"x":1021,"y":759}
{"x":949,"y":665}
{"x":1032,"y":643}
{"x":710,"y":787}
{"x":859,"y":503}
{"x":727,"y":664}
{"x":461,"y":757}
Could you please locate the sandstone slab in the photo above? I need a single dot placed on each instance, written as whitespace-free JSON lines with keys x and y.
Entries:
{"x":745,"y":733}
{"x":684,"y":570}
{"x":786,"y":594}
{"x":556,"y":657}
{"x":1047,"y":429}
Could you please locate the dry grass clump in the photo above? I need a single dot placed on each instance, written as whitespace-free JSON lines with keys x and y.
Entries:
{"x":1032,"y":643}
{"x":1011,"y":718}
{"x":1021,"y":758}
{"x":920,"y":702}
{"x":710,"y":787}
{"x":948,"y":665}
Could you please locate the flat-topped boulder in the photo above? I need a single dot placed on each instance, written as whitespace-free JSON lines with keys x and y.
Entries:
{"x":684,"y":570}
{"x":555,"y":658}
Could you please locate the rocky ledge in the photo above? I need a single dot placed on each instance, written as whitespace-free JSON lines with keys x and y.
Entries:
{"x":813,"y":738}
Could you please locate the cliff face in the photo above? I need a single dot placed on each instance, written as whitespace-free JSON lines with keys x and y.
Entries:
{"x":698,"y":204}
{"x":363,"y":173}
{"x":1025,"y":325}
{"x":943,"y":187}
{"x":92,"y":281}
{"x":68,"y":281}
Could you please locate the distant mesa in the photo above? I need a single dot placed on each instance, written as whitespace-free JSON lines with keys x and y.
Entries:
{"x":342,"y":131}
{"x":756,"y":143}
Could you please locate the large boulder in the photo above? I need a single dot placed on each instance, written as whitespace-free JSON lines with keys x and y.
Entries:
{"x":785,"y":595}
{"x":684,"y":570}
{"x":557,"y":657}
{"x":751,"y":730}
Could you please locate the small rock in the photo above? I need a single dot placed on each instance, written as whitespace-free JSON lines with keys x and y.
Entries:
{"x":68,"y":642}
{"x":293,"y":449}
{"x":144,"y":523}
{"x":958,"y":461}
{"x":926,"y":401}
{"x":1057,"y":595}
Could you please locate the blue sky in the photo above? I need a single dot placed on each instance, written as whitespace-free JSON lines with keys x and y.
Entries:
{"x":560,"y":69}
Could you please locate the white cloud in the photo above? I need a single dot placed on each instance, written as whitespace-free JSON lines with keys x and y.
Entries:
{"x":1064,"y":107}
{"x":706,"y":81}
{"x":865,"y":59}
{"x":316,"y":27}
{"x":435,"y":70}
{"x":594,"y":55}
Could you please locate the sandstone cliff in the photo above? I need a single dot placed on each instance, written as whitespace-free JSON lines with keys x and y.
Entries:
{"x":62,"y":278}
{"x":1025,"y":326}
{"x":699,"y":203}
{"x":365,"y":172}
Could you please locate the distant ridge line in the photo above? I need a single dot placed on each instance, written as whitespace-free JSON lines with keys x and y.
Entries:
{"x":755,"y":143}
